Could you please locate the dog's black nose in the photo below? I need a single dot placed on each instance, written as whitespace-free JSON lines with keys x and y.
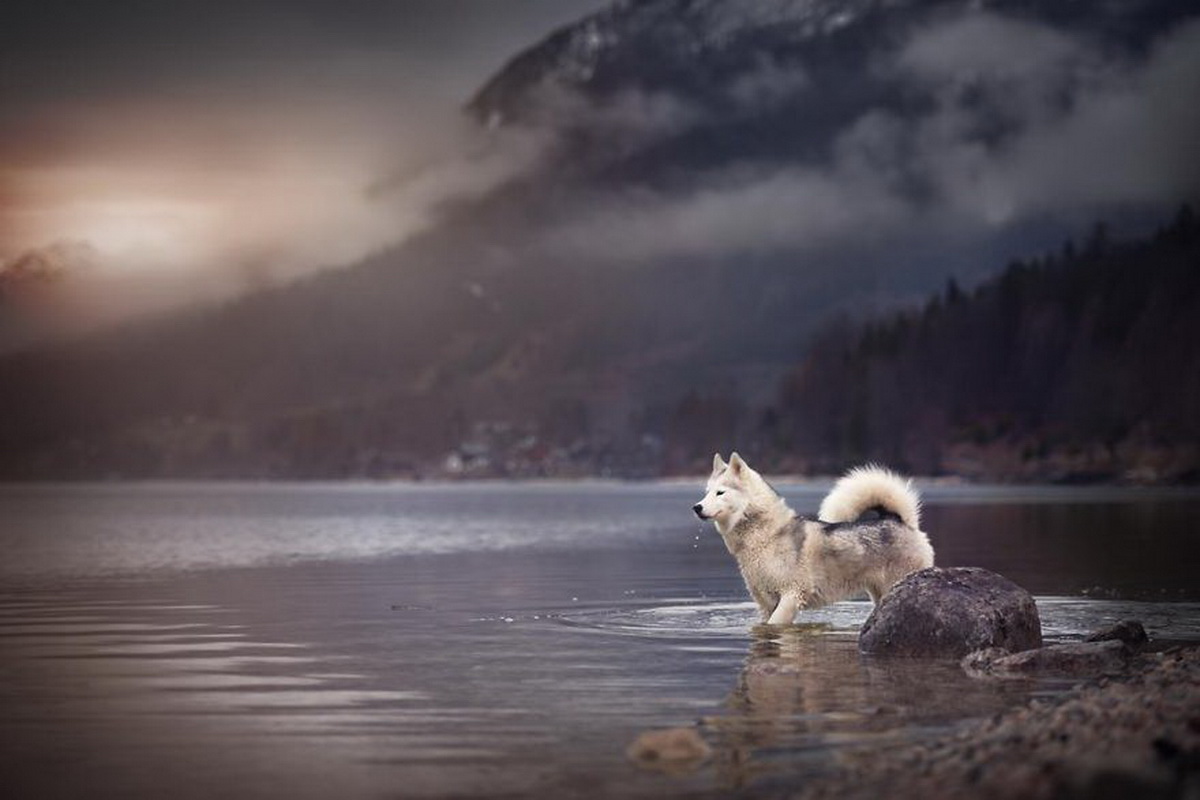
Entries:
{"x":699,"y":509}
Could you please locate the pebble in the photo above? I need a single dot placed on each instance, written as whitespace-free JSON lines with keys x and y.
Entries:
{"x":670,"y":750}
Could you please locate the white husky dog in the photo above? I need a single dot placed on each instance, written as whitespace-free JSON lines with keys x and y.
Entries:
{"x":867,"y":536}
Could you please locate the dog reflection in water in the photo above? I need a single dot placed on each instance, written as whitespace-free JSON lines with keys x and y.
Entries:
{"x":807,"y":699}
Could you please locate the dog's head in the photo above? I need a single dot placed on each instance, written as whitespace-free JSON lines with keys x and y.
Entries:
{"x":732,"y":489}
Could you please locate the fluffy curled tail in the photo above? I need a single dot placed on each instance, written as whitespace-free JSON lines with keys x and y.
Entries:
{"x":864,"y":488}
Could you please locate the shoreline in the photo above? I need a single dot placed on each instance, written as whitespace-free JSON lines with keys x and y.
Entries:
{"x":932,"y":486}
{"x":1136,"y":735}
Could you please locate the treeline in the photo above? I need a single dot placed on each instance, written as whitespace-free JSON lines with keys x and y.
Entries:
{"x":1080,"y":365}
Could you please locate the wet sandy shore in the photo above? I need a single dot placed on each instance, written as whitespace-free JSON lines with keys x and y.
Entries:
{"x":1137,"y":736}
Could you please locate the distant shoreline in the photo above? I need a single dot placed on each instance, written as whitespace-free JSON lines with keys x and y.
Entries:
{"x":933,"y":488}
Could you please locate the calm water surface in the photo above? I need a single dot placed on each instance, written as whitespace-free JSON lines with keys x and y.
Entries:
{"x":403,"y":641}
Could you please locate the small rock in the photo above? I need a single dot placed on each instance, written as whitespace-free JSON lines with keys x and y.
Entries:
{"x":1099,"y":782}
{"x":951,"y":612}
{"x":1074,"y":659}
{"x":981,"y":662}
{"x":672,"y":749}
{"x":1129,"y":631}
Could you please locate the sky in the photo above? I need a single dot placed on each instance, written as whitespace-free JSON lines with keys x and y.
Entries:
{"x":199,"y":149}
{"x":236,"y":138}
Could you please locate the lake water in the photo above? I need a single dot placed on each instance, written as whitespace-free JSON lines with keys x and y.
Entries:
{"x":367,"y":640}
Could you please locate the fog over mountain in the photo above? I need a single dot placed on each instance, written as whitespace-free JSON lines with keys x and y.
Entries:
{"x":721,"y":127}
{"x":207,"y":147}
{"x":656,"y":205}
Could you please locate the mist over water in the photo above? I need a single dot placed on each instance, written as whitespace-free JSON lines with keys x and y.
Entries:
{"x":479,"y":639}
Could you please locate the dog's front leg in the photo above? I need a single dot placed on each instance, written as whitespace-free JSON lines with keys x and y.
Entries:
{"x":785,"y":612}
{"x":765,"y":603}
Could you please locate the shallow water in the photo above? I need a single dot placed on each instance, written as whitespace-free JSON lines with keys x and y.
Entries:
{"x":376,"y":640}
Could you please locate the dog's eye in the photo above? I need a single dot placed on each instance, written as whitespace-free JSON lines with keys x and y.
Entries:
{"x":720,"y":493}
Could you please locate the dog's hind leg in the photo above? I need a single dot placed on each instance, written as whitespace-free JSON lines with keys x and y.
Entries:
{"x":785,"y":612}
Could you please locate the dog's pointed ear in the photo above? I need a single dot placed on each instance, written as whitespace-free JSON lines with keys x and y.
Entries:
{"x":719,"y":464}
{"x":736,"y":464}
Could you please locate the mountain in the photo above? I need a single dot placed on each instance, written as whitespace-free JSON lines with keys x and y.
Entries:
{"x":42,"y":291}
{"x":668,"y":87}
{"x":691,"y":190}
{"x":33,"y":270}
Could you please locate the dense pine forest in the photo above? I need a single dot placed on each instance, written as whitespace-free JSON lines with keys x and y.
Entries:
{"x":1080,"y":365}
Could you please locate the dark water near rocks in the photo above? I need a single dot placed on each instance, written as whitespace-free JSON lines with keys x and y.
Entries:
{"x":400,"y":641}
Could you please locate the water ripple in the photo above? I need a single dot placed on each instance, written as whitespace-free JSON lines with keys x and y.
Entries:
{"x":1062,"y":618}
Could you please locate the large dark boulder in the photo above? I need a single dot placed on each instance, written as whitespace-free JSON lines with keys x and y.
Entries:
{"x":951,"y":612}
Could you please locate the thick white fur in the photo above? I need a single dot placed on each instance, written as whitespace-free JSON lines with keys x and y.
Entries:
{"x":865,"y":487}
{"x":791,"y":563}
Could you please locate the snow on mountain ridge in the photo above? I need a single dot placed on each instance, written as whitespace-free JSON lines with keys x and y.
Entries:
{"x":694,"y":48}
{"x":734,"y":124}
{"x":673,"y":32}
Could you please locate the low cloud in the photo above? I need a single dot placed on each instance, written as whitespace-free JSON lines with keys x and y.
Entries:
{"x":1022,"y":120}
{"x":768,"y":84}
{"x":989,"y":46}
{"x":1063,"y":130}
{"x":736,"y":213}
{"x":252,"y":160}
{"x":1130,"y":137}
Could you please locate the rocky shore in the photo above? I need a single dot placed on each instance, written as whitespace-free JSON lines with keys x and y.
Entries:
{"x":1130,"y":727}
{"x":1137,"y":736}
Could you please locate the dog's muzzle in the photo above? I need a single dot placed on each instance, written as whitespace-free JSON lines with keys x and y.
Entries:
{"x":699,"y":509}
